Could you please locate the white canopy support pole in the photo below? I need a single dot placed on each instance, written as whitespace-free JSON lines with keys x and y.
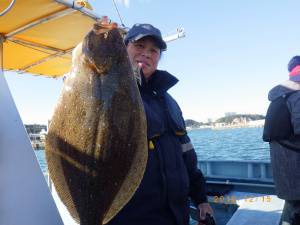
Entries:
{"x":180,"y":33}
{"x":38,"y":47}
{"x":85,"y":11}
{"x":58,"y":54}
{"x":2,"y":13}
{"x":24,"y":195}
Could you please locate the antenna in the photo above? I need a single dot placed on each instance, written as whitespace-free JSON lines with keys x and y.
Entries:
{"x":180,"y":33}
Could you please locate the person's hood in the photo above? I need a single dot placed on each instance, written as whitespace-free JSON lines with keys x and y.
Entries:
{"x":283,"y":89}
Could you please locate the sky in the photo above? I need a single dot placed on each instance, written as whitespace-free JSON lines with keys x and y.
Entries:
{"x":233,"y":53}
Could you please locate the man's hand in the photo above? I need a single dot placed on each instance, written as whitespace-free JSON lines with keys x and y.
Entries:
{"x":203,"y":209}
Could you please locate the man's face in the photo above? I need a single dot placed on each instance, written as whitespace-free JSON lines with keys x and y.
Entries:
{"x":145,"y":54}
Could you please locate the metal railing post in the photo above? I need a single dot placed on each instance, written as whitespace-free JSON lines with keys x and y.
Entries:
{"x":208,"y":169}
{"x":263,"y":171}
{"x":250,"y":170}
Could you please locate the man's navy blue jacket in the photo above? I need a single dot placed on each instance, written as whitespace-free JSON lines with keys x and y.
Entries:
{"x":171,"y":175}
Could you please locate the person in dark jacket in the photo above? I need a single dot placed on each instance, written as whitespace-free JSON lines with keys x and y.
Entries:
{"x":171,"y":175}
{"x":282,"y":130}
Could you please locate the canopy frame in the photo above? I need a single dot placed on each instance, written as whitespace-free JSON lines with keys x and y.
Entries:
{"x":71,"y":7}
{"x":34,"y":23}
{"x":57,"y":54}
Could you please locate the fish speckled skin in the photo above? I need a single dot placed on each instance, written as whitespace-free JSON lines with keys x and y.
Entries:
{"x":96,"y":147}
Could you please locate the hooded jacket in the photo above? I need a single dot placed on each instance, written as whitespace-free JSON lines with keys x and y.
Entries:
{"x":285,"y":161}
{"x":171,"y":175}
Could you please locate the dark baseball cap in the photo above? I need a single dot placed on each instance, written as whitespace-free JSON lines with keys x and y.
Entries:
{"x":139,"y":31}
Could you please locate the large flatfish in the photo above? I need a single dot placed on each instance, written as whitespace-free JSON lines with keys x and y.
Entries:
{"x":96,"y":147}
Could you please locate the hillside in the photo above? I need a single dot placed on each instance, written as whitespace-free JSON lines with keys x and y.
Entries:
{"x":239,"y":118}
{"x":226,"y":120}
{"x":192,"y":123}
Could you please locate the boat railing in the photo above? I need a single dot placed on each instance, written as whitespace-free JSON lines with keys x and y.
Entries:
{"x":237,"y":169}
{"x":229,"y":170}
{"x":238,"y":173}
{"x":225,"y":179}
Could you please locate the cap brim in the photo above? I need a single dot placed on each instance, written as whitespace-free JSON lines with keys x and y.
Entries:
{"x":159,"y":41}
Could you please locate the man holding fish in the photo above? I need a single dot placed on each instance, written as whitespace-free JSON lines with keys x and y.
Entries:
{"x":171,"y":174}
{"x":117,"y":152}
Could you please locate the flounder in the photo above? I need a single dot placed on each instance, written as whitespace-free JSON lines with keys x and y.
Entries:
{"x":96,"y":147}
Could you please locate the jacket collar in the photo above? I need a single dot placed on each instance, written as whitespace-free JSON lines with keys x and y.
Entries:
{"x":160,"y":82}
{"x":291,"y":85}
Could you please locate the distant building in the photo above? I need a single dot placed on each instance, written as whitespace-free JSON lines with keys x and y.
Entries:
{"x":37,"y":135}
{"x":35,"y":128}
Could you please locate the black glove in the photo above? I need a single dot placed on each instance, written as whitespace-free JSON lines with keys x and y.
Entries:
{"x":195,"y":214}
{"x":209,"y":220}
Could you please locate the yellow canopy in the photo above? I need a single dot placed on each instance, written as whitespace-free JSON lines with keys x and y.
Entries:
{"x":39,"y":35}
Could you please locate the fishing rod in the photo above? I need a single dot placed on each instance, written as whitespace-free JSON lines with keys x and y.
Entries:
{"x":116,"y":8}
{"x":179,"y":33}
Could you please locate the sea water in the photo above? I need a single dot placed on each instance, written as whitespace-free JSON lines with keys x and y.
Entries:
{"x":223,"y":144}
{"x":230,"y":144}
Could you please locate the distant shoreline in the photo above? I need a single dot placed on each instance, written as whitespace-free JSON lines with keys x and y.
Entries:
{"x":218,"y":126}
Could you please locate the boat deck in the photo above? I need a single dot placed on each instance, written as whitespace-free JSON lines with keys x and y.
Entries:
{"x":257,"y":210}
{"x":241,"y":192}
{"x":249,"y":209}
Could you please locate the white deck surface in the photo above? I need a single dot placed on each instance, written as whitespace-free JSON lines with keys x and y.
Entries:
{"x":65,"y":215}
{"x":256,"y":209}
